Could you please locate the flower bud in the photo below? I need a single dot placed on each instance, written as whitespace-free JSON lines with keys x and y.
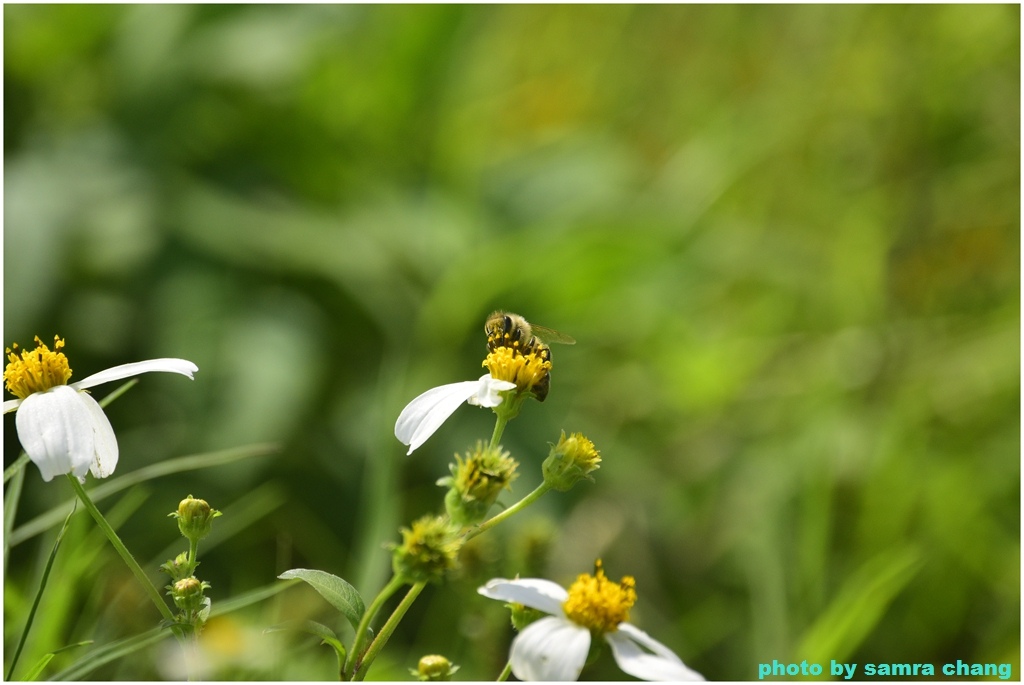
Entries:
{"x":434,"y":667}
{"x":570,"y":461}
{"x":187,"y":593}
{"x":178,"y":568}
{"x":428,"y":550}
{"x":476,"y":482}
{"x":195,"y":518}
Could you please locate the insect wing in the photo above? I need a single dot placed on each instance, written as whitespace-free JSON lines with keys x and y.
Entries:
{"x":549,"y":335}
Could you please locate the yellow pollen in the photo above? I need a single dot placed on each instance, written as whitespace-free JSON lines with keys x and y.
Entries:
{"x":597,"y":603}
{"x":525,"y":370}
{"x":36,"y":370}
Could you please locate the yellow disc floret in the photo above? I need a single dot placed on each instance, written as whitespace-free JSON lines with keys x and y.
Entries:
{"x":36,"y":370}
{"x":597,"y":603}
{"x":525,"y":370}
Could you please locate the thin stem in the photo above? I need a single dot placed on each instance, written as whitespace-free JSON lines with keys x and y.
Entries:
{"x":11,"y":499}
{"x":364,"y":623}
{"x":18,"y":465}
{"x":388,"y":628}
{"x":193,"y":552}
{"x":499,"y":428}
{"x":518,"y":506}
{"x":505,"y":672}
{"x":147,"y":585}
{"x":39,"y":594}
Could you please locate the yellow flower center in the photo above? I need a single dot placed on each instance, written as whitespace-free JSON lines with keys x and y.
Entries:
{"x":525,"y":370}
{"x":36,"y":370}
{"x":597,"y":603}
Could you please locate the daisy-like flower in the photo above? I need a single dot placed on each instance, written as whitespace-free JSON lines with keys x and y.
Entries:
{"x":426,"y":413}
{"x":62,"y":428}
{"x":555,"y":647}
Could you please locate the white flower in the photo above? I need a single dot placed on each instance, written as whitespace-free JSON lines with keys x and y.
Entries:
{"x":555,"y":647}
{"x":62,"y":428}
{"x":426,"y":413}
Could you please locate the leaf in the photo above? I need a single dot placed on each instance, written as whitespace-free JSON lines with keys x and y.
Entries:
{"x":36,"y":670}
{"x":338,"y":592}
{"x":33,"y":674}
{"x":113,"y":485}
{"x":313,"y":628}
{"x":326,"y":635}
{"x":859,"y":605}
{"x":111,"y":652}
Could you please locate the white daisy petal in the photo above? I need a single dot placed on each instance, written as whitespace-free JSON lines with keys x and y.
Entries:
{"x":551,"y":648}
{"x":116,"y":373}
{"x":105,"y":448}
{"x":11,"y":405}
{"x":663,"y":664}
{"x":535,"y":593}
{"x":56,"y":430}
{"x":427,"y":412}
{"x":488,"y":389}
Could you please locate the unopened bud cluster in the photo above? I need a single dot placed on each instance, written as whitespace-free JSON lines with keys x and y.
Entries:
{"x":434,"y":667}
{"x":195,"y":519}
{"x":429,"y":549}
{"x":476,"y":482}
{"x":187,"y":594}
{"x":573,"y":459}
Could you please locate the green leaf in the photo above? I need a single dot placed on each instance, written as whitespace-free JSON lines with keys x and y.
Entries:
{"x":192,"y":462}
{"x":111,"y":652}
{"x":326,"y":635}
{"x":859,"y":605}
{"x":36,"y":670}
{"x":11,"y":499}
{"x":338,"y":592}
{"x":33,"y":674}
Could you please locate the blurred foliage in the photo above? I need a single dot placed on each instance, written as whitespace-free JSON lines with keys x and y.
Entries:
{"x":786,"y":238}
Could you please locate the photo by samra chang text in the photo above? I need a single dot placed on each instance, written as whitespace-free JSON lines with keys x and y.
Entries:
{"x":957,"y":669}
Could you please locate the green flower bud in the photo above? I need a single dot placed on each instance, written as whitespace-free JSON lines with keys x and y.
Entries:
{"x":178,"y":568}
{"x":434,"y":667}
{"x":429,"y":549}
{"x":187,"y":593}
{"x":570,"y":461}
{"x":476,"y":482}
{"x":195,"y":518}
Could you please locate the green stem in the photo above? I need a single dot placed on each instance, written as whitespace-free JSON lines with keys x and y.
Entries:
{"x":505,"y":672}
{"x":499,"y":428}
{"x":17,"y":466}
{"x":39,"y":594}
{"x":11,"y":499}
{"x":147,"y":585}
{"x":518,"y":506}
{"x":364,"y":623}
{"x":193,"y":552}
{"x":388,"y":628}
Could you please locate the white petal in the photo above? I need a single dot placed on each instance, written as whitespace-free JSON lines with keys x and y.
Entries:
{"x":536,"y":593}
{"x":426,"y":413}
{"x":663,"y":664}
{"x":104,"y":459}
{"x":56,"y":430}
{"x":11,"y":405}
{"x":487,"y":392}
{"x":550,"y":649}
{"x":116,"y":373}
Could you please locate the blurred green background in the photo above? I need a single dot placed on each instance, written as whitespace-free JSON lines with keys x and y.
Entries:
{"x":786,"y":239}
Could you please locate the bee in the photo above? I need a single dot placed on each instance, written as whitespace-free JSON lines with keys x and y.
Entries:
{"x":505,"y":329}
